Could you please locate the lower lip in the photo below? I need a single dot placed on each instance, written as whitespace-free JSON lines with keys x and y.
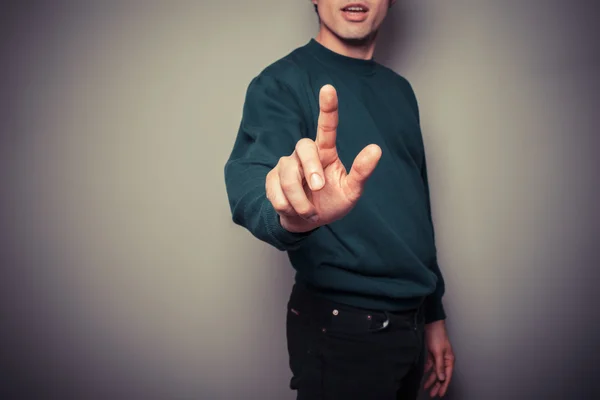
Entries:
{"x":355,"y":16}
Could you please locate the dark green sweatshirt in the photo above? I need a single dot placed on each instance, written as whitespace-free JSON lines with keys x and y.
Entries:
{"x":382,"y":254}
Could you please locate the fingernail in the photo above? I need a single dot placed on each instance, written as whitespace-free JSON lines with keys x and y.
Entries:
{"x":314,"y":218}
{"x":316,"y":181}
{"x":442,"y":377}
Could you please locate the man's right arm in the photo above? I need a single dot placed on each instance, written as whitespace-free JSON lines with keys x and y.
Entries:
{"x":282,"y":185}
{"x":272,"y":123}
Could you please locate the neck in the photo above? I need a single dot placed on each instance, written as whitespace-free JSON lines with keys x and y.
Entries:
{"x":362,"y":49}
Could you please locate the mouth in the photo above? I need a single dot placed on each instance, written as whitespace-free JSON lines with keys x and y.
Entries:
{"x":355,"y":8}
{"x":355,"y":12}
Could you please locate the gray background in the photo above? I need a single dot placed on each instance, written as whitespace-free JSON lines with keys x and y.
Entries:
{"x":123,"y":276}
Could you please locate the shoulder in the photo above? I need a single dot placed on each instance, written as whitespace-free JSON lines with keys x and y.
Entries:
{"x":400,"y":81}
{"x":403,"y":85}
{"x":278,"y":89}
{"x":285,"y":72}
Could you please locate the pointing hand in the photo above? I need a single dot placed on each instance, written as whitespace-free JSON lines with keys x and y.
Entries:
{"x":311,"y":187}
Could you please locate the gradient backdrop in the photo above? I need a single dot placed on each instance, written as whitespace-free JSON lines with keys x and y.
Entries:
{"x":122,"y":275}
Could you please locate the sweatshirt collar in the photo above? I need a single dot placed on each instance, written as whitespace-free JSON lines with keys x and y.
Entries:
{"x":336,"y":60}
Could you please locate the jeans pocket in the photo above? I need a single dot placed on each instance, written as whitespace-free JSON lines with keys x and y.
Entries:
{"x":302,"y":351}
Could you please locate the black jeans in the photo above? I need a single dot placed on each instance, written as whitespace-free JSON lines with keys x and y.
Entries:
{"x":338,"y":352}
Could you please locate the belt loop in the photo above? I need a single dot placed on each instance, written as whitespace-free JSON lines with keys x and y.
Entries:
{"x":417,"y":319}
{"x":417,"y":314}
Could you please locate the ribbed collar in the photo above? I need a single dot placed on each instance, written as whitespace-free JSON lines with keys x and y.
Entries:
{"x":336,"y":60}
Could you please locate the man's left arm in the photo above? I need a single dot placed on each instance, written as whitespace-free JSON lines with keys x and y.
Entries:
{"x":439,"y":350}
{"x":434,"y":308}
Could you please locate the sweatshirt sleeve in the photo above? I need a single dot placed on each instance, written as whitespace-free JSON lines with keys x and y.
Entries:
{"x":272,"y":123}
{"x":434,"y":308}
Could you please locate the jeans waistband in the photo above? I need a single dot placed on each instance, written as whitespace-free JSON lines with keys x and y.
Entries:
{"x":323,"y":310}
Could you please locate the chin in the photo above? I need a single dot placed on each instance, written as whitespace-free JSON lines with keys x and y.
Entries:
{"x":355,"y":37}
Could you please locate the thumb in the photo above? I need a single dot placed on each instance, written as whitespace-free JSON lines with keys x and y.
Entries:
{"x":439,"y":366}
{"x":362,"y":168}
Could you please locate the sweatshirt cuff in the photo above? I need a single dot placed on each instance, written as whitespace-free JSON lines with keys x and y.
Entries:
{"x":282,"y":238}
{"x":434,"y":309}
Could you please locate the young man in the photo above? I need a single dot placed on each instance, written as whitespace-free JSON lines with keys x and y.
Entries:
{"x":368,"y":289}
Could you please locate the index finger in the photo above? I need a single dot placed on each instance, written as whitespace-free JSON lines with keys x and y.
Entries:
{"x":328,"y":118}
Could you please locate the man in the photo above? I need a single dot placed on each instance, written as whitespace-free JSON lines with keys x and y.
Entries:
{"x":368,"y":289}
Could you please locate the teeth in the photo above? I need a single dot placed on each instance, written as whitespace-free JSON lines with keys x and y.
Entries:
{"x":354,"y":9}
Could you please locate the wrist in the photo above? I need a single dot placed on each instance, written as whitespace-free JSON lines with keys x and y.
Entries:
{"x":434,"y":309}
{"x":435,"y":324}
{"x":296,"y":227}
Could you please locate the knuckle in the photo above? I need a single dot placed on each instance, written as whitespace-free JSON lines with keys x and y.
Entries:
{"x":271,"y":183}
{"x":304,"y":143}
{"x":288,"y":211}
{"x":304,"y":210}
{"x":280,"y":205}
{"x":284,"y":209}
{"x":287,"y":184}
{"x":283,"y":161}
{"x":288,"y":166}
{"x":270,"y":177}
